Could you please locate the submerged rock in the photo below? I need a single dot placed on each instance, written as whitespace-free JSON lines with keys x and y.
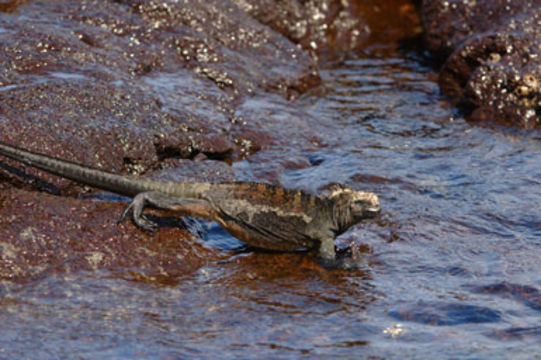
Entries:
{"x":492,"y":50}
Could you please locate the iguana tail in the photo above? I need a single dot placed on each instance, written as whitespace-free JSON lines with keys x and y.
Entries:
{"x":119,"y":184}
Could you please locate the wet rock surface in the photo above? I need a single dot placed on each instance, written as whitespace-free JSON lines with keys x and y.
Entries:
{"x":43,"y":235}
{"x":132,"y":87}
{"x":492,"y":51}
{"x":149,"y":80}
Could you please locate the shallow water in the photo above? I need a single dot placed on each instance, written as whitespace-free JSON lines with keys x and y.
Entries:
{"x":449,"y":270}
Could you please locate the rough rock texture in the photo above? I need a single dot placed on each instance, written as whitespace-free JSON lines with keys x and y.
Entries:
{"x":317,"y":25}
{"x":46,"y":234}
{"x":150,"y":80}
{"x":493,"y":48}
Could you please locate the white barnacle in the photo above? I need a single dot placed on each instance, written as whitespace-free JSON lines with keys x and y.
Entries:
{"x":530,"y":81}
{"x":494,"y":57}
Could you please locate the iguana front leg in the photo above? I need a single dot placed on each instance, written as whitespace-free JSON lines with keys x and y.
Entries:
{"x":326,"y":248}
{"x":181,"y":206}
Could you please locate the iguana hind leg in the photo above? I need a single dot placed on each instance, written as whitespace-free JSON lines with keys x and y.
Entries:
{"x":157,"y":200}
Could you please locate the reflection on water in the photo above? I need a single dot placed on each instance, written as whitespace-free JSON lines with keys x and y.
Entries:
{"x":451,"y":267}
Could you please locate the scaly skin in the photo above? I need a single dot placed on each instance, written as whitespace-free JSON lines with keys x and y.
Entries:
{"x":265,"y":216}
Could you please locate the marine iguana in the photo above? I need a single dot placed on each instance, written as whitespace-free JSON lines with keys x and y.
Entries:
{"x":261,"y":215}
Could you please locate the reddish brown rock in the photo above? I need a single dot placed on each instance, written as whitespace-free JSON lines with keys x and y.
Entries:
{"x":149,"y":80}
{"x":317,"y":25}
{"x":44,"y":234}
{"x":493,"y":53}
{"x":390,"y":22}
{"x":334,"y":28}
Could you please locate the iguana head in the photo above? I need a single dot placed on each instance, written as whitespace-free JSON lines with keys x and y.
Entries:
{"x":351,"y":206}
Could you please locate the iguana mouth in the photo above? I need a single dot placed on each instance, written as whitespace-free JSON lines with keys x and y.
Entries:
{"x":373,"y":211}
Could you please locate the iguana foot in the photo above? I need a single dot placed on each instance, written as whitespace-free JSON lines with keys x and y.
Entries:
{"x":347,"y":259}
{"x":137,"y":206}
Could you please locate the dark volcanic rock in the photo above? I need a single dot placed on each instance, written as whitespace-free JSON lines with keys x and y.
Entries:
{"x":142,"y":81}
{"x":317,"y":25}
{"x":335,"y":28}
{"x":493,"y":69}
